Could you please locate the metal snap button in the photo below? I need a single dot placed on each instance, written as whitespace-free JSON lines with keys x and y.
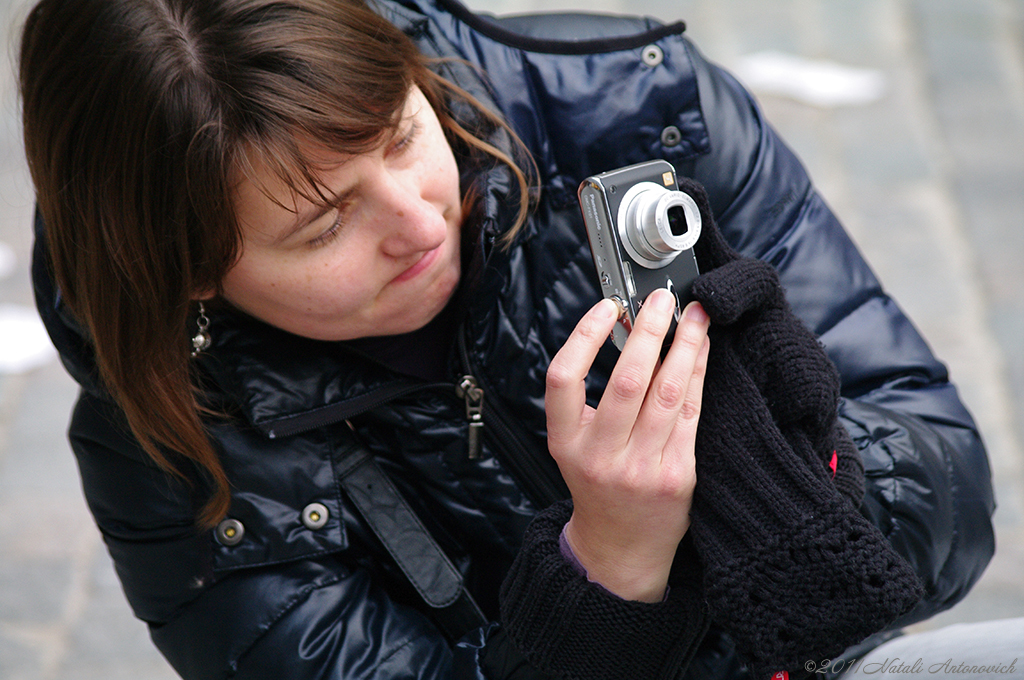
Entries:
{"x":314,"y":516}
{"x":671,"y":136}
{"x":230,"y":532}
{"x":652,"y":55}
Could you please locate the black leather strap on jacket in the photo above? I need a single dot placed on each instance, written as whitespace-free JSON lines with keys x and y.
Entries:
{"x":409,"y":543}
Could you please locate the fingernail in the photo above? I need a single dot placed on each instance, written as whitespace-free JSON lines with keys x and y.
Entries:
{"x":695,"y":312}
{"x":662,"y":300}
{"x":607,"y":309}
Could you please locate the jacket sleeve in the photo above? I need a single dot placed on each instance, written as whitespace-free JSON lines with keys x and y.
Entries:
{"x":928,"y":485}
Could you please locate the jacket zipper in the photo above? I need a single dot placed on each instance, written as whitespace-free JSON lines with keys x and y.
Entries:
{"x":469,"y":389}
{"x":542,"y":484}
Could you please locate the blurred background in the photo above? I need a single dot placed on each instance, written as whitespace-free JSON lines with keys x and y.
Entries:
{"x":909,"y":115}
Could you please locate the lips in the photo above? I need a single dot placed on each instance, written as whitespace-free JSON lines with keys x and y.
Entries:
{"x":420,"y":266}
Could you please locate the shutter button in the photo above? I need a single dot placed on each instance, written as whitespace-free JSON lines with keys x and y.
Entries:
{"x":314,"y":516}
{"x":230,"y":532}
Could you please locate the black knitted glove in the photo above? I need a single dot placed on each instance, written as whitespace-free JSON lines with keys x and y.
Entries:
{"x":571,"y":628}
{"x":792,"y":571}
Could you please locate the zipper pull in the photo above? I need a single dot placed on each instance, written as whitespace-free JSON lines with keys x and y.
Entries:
{"x":470,"y":390}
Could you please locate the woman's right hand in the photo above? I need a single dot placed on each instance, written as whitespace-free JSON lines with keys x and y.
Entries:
{"x":629,"y":463}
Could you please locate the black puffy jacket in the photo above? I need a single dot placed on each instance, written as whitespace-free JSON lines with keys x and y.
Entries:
{"x":292,"y":601}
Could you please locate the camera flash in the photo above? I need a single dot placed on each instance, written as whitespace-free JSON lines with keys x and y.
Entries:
{"x":667,"y":179}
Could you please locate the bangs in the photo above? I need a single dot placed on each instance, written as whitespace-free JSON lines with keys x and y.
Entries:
{"x":309,"y":82}
{"x":298,"y":160}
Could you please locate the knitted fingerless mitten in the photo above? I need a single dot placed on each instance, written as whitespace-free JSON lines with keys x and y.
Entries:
{"x":572,"y":628}
{"x":787,"y":364}
{"x":792,"y":570}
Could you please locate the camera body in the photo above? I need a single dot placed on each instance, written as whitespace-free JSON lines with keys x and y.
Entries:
{"x":642,"y":230}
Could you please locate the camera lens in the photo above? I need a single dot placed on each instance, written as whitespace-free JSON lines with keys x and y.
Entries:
{"x":656,"y":224}
{"x":677,"y":221}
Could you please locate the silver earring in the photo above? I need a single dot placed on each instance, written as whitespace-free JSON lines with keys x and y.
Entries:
{"x":201,"y":340}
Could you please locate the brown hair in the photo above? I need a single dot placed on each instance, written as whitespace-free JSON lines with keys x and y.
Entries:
{"x":138,"y":117}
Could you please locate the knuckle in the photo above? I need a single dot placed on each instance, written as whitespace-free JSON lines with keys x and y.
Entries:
{"x":694,"y":396}
{"x":632,"y":480}
{"x":558,"y":450}
{"x":678,"y":479}
{"x":690,"y":411}
{"x":595,"y":475}
{"x":691,"y":336}
{"x":627,"y":384}
{"x":683,"y":487}
{"x":590,"y":329}
{"x":651,"y":330}
{"x":559,"y":375}
{"x":669,"y":393}
{"x":667,"y":487}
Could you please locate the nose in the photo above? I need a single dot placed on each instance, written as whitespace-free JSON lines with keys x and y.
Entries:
{"x":412,"y":224}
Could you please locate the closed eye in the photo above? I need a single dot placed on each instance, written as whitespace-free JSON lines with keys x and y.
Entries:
{"x":400,"y":145}
{"x":406,"y":140}
{"x":332,"y":232}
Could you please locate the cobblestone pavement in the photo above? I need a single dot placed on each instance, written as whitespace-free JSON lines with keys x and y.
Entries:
{"x":929,"y":179}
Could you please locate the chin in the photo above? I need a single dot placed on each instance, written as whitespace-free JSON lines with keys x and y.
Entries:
{"x":434,"y":310}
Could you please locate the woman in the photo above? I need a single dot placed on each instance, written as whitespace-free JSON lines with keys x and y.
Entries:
{"x":295,"y":255}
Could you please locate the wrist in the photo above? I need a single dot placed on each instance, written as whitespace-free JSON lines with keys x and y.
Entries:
{"x":618,"y":571}
{"x":567,"y":627}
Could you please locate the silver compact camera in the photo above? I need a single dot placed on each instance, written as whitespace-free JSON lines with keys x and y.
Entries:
{"x":642,"y":230}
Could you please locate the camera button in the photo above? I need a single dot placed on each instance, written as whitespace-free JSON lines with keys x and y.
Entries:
{"x":675,"y":293}
{"x":630,"y":283}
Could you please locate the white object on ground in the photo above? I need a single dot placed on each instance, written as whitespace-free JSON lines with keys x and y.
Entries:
{"x":817,"y":82}
{"x":24,"y":344}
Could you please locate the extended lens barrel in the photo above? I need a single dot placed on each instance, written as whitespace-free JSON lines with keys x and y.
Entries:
{"x":656,"y":224}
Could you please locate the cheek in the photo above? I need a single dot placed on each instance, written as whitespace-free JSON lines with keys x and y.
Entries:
{"x":264,"y":286}
{"x":452,"y":172}
{"x":328,"y":282}
{"x":442,"y":171}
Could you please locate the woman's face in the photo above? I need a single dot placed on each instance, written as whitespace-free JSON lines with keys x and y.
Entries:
{"x":383,"y":259}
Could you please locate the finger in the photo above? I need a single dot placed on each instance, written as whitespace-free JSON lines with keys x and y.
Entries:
{"x":671,"y":390}
{"x":678,"y":464}
{"x":689,"y":415}
{"x":565,"y":395}
{"x":627,"y":386}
